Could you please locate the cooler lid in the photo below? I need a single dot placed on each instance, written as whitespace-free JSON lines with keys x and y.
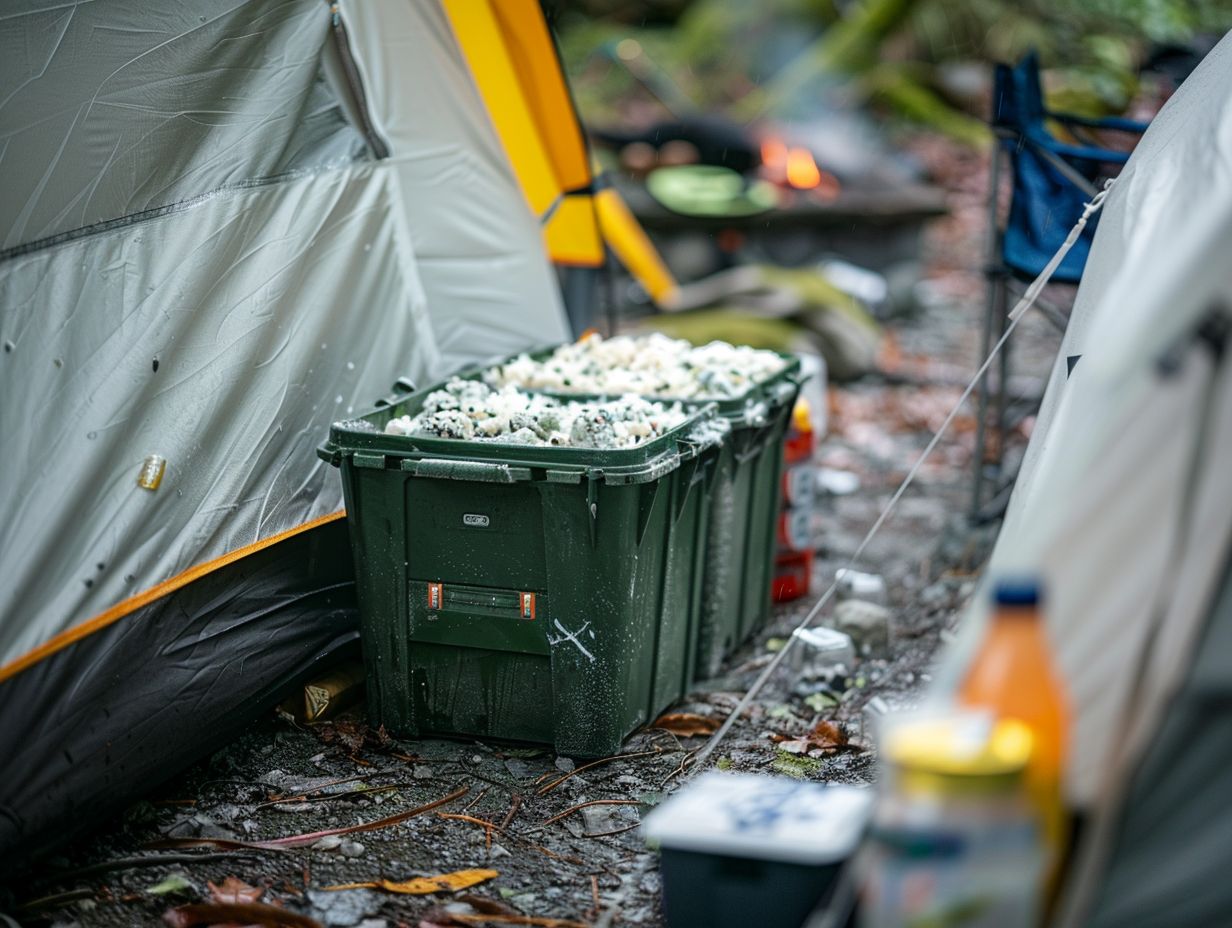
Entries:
{"x":761,"y":817}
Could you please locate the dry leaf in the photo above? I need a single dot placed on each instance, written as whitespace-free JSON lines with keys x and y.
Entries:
{"x":827,"y":735}
{"x":233,"y":891}
{"x":425,"y":885}
{"x":686,"y":724}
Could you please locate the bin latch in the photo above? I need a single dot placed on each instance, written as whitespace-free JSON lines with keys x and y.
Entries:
{"x":528,"y":605}
{"x":592,"y":502}
{"x":436,"y":593}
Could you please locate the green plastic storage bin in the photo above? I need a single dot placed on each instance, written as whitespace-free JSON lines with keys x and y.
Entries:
{"x":745,"y":502}
{"x":549,"y":595}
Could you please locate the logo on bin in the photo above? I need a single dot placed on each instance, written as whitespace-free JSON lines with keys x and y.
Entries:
{"x":475,"y":520}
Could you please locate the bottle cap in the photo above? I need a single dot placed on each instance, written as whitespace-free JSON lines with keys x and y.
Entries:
{"x":1017,"y":591}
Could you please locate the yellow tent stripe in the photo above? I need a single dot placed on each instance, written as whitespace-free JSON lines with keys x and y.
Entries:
{"x":634,"y":250}
{"x":513,"y":61}
{"x":511,"y":58}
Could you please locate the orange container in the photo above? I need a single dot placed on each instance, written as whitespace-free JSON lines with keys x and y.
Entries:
{"x":1013,"y":676}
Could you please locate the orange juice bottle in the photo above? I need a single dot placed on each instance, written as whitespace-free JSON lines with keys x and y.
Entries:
{"x":1013,"y":676}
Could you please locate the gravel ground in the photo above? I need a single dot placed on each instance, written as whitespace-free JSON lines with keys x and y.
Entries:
{"x":523,"y":813}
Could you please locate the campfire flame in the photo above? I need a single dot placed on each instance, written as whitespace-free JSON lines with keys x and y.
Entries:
{"x":794,"y":166}
{"x":802,"y":170}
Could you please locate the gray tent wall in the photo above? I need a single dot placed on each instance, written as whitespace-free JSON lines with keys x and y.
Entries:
{"x":1124,"y":504}
{"x":208,"y":253}
{"x":488,"y":293}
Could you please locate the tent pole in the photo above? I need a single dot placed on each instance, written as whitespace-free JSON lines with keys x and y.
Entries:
{"x":579,"y":287}
{"x":996,"y":285}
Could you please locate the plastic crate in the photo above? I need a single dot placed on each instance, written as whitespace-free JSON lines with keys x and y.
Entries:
{"x":745,"y":499}
{"x":549,"y":595}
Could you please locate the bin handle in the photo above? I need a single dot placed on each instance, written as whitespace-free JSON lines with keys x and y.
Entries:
{"x":402,"y":387}
{"x":786,"y":389}
{"x":330,"y":454}
{"x":475,"y":471}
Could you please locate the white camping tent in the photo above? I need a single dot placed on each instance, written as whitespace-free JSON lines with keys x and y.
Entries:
{"x":223,"y":225}
{"x":1124,"y":504}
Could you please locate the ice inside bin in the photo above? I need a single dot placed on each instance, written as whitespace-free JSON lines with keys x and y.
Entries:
{"x":648,"y":365}
{"x":470,"y":410}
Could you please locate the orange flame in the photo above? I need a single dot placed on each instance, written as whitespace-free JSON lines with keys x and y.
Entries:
{"x":795,"y":167}
{"x":773,"y":152}
{"x":802,"y":170}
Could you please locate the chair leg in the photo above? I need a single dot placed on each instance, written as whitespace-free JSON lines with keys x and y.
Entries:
{"x":1003,"y":381}
{"x":996,"y":290}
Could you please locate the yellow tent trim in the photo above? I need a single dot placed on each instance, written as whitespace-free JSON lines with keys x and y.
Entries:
{"x":632,"y":247}
{"x":510,"y":54}
{"x":512,"y":59}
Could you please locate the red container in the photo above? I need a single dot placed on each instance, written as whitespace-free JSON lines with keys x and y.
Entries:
{"x":795,"y":531}
{"x":792,"y":575}
{"x":799,"y":485}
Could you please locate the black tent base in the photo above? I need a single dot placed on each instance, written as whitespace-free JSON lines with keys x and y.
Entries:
{"x":101,"y":722}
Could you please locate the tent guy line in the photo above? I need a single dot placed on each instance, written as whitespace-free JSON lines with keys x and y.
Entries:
{"x":1015,"y":316}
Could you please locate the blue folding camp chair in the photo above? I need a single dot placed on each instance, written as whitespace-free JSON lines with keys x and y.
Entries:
{"x":1052,"y":180}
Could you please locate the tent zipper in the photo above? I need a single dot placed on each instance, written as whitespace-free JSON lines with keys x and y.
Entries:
{"x":343,"y":43}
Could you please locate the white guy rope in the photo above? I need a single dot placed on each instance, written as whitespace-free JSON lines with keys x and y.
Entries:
{"x":1015,"y":316}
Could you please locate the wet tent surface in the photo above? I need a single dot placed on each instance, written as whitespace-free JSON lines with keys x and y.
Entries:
{"x":557,"y":869}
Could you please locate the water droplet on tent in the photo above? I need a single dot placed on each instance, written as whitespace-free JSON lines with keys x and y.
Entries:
{"x":155,"y":365}
{"x":130,"y":578}
{"x":338,"y":398}
{"x":350,"y":409}
{"x":91,"y":435}
{"x":350,"y":365}
{"x":100,"y":565}
{"x":367,"y":246}
{"x":89,"y":583}
{"x":324,"y":346}
{"x":9,"y":346}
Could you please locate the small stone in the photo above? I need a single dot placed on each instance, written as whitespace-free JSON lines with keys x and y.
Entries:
{"x":565,"y":765}
{"x":329,"y":843}
{"x":498,"y":851}
{"x":867,"y":623}
{"x":597,"y":819}
{"x":421,"y":772}
{"x":520,"y":769}
{"x":352,"y":849}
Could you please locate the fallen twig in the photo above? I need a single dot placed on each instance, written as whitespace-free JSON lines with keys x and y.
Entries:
{"x":535,"y":920}
{"x":316,"y":796}
{"x":543,"y":791}
{"x":513,"y":810}
{"x":293,"y":841}
{"x":487,"y":826}
{"x":608,"y":834}
{"x":132,"y":863}
{"x":583,"y":805}
{"x":684,"y":762}
{"x":594,"y":894}
{"x":474,"y":802}
{"x":54,"y":899}
{"x":565,"y":857}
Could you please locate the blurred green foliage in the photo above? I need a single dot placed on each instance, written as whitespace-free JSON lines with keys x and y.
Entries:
{"x":761,"y":58}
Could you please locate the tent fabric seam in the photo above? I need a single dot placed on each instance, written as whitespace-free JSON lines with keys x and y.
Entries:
{"x":167,"y":209}
{"x":166,"y":587}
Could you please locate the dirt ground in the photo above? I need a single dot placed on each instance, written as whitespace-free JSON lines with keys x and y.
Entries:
{"x":562,"y":835}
